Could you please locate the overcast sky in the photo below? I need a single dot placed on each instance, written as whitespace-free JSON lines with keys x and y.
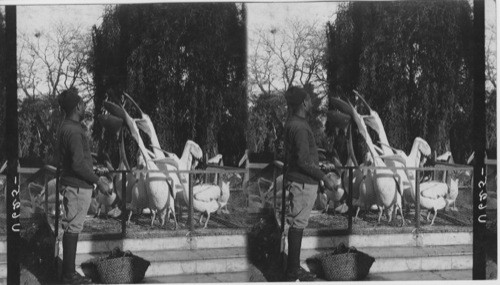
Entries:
{"x":274,"y":14}
{"x":38,"y":18}
{"x":32,"y":18}
{"x":35,"y":18}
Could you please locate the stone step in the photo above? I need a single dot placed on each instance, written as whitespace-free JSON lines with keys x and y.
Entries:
{"x":465,"y":274}
{"x":404,"y":259}
{"x":387,"y":259}
{"x":178,"y":262}
{"x":242,"y":277}
{"x":231,"y":277}
{"x":389,"y":240}
{"x":159,"y":243}
{"x":147,"y":243}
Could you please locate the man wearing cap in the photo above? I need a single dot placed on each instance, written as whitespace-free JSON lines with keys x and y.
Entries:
{"x":77,"y":179}
{"x":302,"y":174}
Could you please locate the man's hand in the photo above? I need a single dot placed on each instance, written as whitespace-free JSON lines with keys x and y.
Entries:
{"x":332,"y":181}
{"x":103,"y":185}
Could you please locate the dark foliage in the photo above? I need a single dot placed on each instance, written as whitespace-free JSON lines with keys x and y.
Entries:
{"x":184,"y":64}
{"x":37,"y":130}
{"x":412,"y":61}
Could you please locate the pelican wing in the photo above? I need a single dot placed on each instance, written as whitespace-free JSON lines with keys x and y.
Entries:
{"x":206,"y":192}
{"x":433,"y":189}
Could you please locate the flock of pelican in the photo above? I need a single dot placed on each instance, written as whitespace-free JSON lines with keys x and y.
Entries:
{"x":389,"y":179}
{"x":162,"y":185}
{"x":155,"y":183}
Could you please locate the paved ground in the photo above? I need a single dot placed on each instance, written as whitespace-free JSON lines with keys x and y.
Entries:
{"x":423,"y":275}
{"x":243,"y":277}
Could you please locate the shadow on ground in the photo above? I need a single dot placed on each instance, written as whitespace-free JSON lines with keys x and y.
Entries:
{"x":263,"y":250}
{"x":37,"y":261}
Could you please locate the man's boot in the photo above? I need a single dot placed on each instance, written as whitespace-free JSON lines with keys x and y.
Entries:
{"x":294,"y":271}
{"x":69,"y":274}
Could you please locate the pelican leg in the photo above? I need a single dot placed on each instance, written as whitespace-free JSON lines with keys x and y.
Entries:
{"x":153,"y":217}
{"x":129,"y":216}
{"x":428,"y":215}
{"x":433,"y":218}
{"x":98,"y":212}
{"x":201,"y":218}
{"x":402,"y":217}
{"x":380,"y":211}
{"x":389,"y":214}
{"x":327,"y":206}
{"x":357,"y":212}
{"x":206,"y":222}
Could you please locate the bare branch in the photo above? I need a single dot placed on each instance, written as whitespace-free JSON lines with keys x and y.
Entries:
{"x":288,"y":56}
{"x":54,"y":60}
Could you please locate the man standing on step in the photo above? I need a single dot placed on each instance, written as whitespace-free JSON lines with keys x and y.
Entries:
{"x":302,"y":177}
{"x":77,"y":179}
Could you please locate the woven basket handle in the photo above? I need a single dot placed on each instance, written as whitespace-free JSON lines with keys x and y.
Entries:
{"x":351,"y":249}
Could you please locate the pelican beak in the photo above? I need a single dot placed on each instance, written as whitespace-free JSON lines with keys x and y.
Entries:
{"x":110,"y":122}
{"x":338,"y":119}
{"x":115,"y":110}
{"x":342,"y":106}
{"x":143,"y":126}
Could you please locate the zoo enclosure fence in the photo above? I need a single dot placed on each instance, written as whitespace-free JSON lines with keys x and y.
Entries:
{"x":48,"y":171}
{"x":437,"y":173}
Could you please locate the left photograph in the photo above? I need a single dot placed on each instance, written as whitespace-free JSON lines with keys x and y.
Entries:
{"x":131,"y":124}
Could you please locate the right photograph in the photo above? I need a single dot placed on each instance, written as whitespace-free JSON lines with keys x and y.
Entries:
{"x":362,"y":114}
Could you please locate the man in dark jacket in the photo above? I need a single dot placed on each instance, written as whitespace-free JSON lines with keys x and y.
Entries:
{"x":77,"y":179}
{"x":302,"y":177}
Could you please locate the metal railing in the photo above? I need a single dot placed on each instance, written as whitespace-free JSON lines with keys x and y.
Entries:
{"x":215,"y":170}
{"x":48,"y":170}
{"x":418,"y":170}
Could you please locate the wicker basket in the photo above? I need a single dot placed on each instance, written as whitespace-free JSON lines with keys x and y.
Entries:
{"x":352,"y":265}
{"x":89,"y":268}
{"x":127,"y":269}
{"x":118,"y":268}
